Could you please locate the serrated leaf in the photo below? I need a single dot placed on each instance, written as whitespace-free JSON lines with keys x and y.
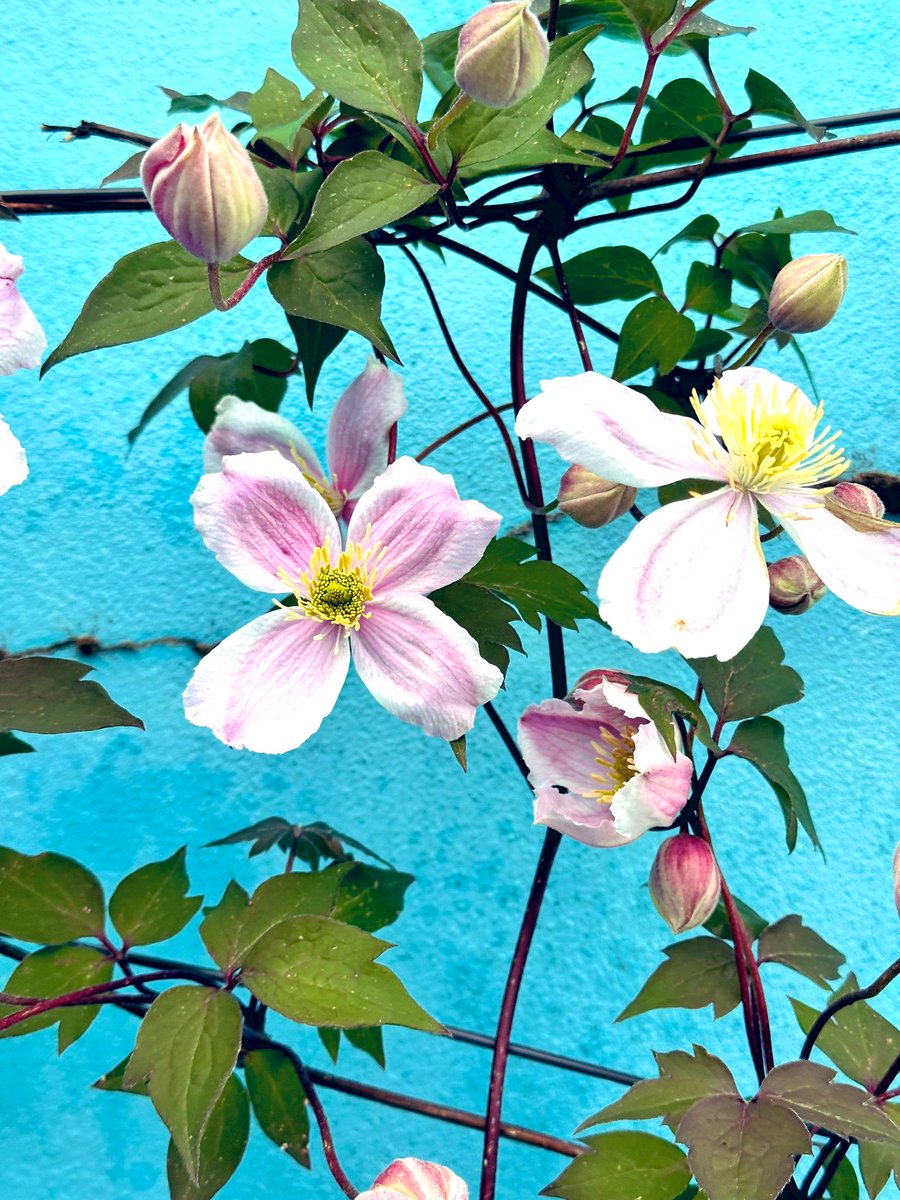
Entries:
{"x":807,"y":1089}
{"x":222,"y":1147}
{"x":697,"y":972}
{"x":320,"y":972}
{"x":708,"y":289}
{"x":55,"y":971}
{"x":815,"y":221}
{"x":858,"y":1040}
{"x":661,"y":702}
{"x":48,"y":898}
{"x":151,"y":904}
{"x":187,"y":1047}
{"x":47,"y":695}
{"x":279,"y":1102}
{"x":151,"y":291}
{"x":623,"y":1166}
{"x":761,"y":742}
{"x":653,"y":334}
{"x":753,"y":682}
{"x":795,"y":945}
{"x":607,"y":273}
{"x":315,"y":343}
{"x":877,"y":1163}
{"x":767,"y":97}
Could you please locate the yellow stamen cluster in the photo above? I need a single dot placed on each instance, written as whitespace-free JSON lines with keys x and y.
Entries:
{"x":770,"y":438}
{"x":330,"y":495}
{"x":337,"y":592}
{"x":615,"y":754}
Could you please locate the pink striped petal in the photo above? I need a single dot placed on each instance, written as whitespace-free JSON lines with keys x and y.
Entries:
{"x":658,"y":792}
{"x":414,"y":1179}
{"x":862,"y":567}
{"x":269,"y":686}
{"x":242,"y":427}
{"x":423,"y":667}
{"x":691,"y":576}
{"x":359,"y":427}
{"x":431,"y":536}
{"x":556,"y":740}
{"x":618,"y":433}
{"x":22,"y":341}
{"x":577,"y":817}
{"x":13,"y":464}
{"x":260,"y":515}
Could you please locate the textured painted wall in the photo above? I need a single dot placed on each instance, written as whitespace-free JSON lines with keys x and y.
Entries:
{"x":102,"y":543}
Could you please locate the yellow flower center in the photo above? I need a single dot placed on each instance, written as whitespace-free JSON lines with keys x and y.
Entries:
{"x":338,"y":592}
{"x":770,"y":438}
{"x":615,"y":753}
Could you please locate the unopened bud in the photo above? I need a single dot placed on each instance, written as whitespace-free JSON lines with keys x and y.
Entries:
{"x":684,"y":882}
{"x":858,"y":506}
{"x":502,"y":54}
{"x":418,"y":1180}
{"x":897,"y":878}
{"x":201,"y":184}
{"x":807,"y":292}
{"x":592,"y":501}
{"x":794,"y":587}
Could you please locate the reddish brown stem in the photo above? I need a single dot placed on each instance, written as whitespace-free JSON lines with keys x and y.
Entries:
{"x":93,"y":994}
{"x":215,"y":283}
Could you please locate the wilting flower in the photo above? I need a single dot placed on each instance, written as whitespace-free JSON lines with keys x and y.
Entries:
{"x":22,"y":341}
{"x":201,"y":184}
{"x":503,"y":53}
{"x":413,"y":1179}
{"x":684,"y":882}
{"x":269,"y":686}
{"x":13,"y":464}
{"x":357,"y":444}
{"x":600,"y":745}
{"x":692,"y":575}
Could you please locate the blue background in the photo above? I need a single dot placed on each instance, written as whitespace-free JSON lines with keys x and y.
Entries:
{"x":101,"y":543}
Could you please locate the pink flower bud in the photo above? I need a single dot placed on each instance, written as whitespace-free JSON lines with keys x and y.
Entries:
{"x":794,"y":587}
{"x":897,"y":878}
{"x":592,"y":501}
{"x":502,"y":54}
{"x":22,"y":341}
{"x":201,"y":184}
{"x":808,"y":292}
{"x":684,"y":882}
{"x":859,"y":499}
{"x":413,"y":1179}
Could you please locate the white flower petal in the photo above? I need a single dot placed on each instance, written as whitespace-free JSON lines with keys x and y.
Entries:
{"x":359,"y":427}
{"x":577,"y":817}
{"x":13,"y":464}
{"x":242,"y":427}
{"x":659,"y":791}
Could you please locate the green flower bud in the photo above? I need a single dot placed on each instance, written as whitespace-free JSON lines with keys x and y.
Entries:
{"x":502,"y":54}
{"x":794,"y":587}
{"x":808,"y":292}
{"x":592,"y":501}
{"x":684,"y":882}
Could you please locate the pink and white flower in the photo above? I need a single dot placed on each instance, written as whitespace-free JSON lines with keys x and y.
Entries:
{"x":414,"y":1179}
{"x":357,"y":440}
{"x":269,"y":686}
{"x":601,"y":747}
{"x":13,"y":464}
{"x":692,"y":574}
{"x":22,"y":341}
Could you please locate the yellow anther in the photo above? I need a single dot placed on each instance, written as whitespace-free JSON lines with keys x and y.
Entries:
{"x":615,"y":753}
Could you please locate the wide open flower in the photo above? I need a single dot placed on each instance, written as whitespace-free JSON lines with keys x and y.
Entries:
{"x":414,"y":1179}
{"x":13,"y":464}
{"x":22,"y":341}
{"x":600,"y":745}
{"x":269,"y":686}
{"x":357,"y":442}
{"x":692,"y":575}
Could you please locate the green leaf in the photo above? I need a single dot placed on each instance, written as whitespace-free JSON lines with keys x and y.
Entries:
{"x":341,"y":286}
{"x":648,"y":15}
{"x":361,"y":52}
{"x":754,"y":259}
{"x":623,"y":1166}
{"x":858,"y":1040}
{"x":48,"y":898}
{"x":753,"y":682}
{"x":169,"y":392}
{"x":10,"y":744}
{"x":698,"y":26}
{"x":807,"y":1089}
{"x":708,"y":289}
{"x":276,"y":103}
{"x":878,"y":1163}
{"x":201,"y":101}
{"x":331,"y":1040}
{"x":719,"y":924}
{"x":607,"y":273}
{"x":795,"y":945}
{"x":653,"y":335}
{"x":221,"y":926}
{"x":767,"y":97}
{"x":697,"y":972}
{"x":114,"y":1081}
{"x":320,"y":972}
{"x":315,"y":343}
{"x":683,"y":1080}
{"x":370,"y":897}
{"x":279,"y":1102}
{"x":187,"y":1046}
{"x":440,"y":58}
{"x":815,"y":221}
{"x":701,"y":229}
{"x":289,"y":196}
{"x":263,"y":834}
{"x":485,"y":616}
{"x":222,"y":1147}
{"x":706,"y":343}
{"x":683,"y":108}
{"x":151,"y":291}
{"x":739,"y":1150}
{"x":362,"y":193}
{"x":236,"y":375}
{"x":843,"y":1184}
{"x":661,"y":702}
{"x":46,"y":695}
{"x":151,"y":904}
{"x":761,"y":742}
{"x":369,"y":1039}
{"x":55,"y":971}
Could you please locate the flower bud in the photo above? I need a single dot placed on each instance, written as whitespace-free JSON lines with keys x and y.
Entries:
{"x":808,"y":292}
{"x":201,"y":184}
{"x":860,"y":507}
{"x":897,"y":878}
{"x":684,"y":882}
{"x":794,"y":587}
{"x":418,"y":1180}
{"x":502,"y":54}
{"x":592,"y":501}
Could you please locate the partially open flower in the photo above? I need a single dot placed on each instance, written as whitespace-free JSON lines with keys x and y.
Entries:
{"x":684,"y":882}
{"x":794,"y":587}
{"x":807,"y":292}
{"x":22,"y":341}
{"x":592,"y":501}
{"x":503,"y":53}
{"x":201,"y":184}
{"x":413,"y":1179}
{"x":13,"y":466}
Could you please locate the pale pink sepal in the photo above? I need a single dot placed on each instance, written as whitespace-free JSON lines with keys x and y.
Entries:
{"x":577,"y":817}
{"x":13,"y":463}
{"x":357,"y":442}
{"x":556,"y":738}
{"x":657,"y":793}
{"x":22,"y":341}
{"x":243,"y":427}
{"x":415,"y":1179}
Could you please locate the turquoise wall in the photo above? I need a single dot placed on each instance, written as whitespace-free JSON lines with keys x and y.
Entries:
{"x":101,"y":543}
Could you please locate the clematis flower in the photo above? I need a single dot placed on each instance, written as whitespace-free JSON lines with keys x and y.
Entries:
{"x":600,"y":745}
{"x":13,"y":464}
{"x":22,"y":341}
{"x":692,"y":575}
{"x":413,"y":1179}
{"x":357,"y":440}
{"x":269,"y":686}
